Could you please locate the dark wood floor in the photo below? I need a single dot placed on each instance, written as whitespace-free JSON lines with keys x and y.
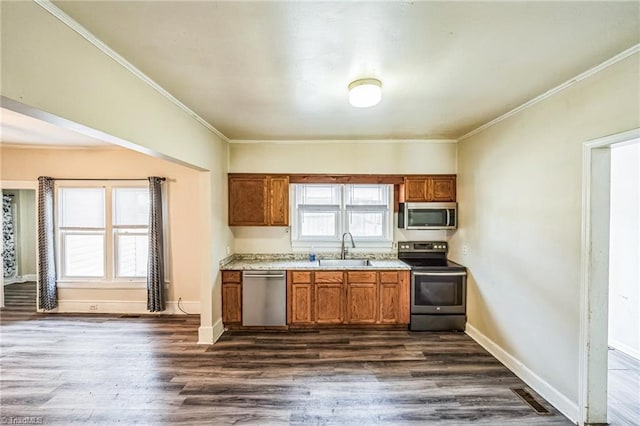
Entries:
{"x":100,"y":369}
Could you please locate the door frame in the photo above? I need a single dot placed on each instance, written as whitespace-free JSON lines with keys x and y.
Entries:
{"x":20,"y":184}
{"x":594,"y":275}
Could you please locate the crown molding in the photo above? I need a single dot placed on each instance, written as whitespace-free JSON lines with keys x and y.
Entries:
{"x":87,"y":35}
{"x":611,"y":61}
{"x":13,"y":145}
{"x":342,"y":141}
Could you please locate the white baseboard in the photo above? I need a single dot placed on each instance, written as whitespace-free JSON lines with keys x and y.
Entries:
{"x":617,"y":345}
{"x":208,"y":335}
{"x":122,"y":307}
{"x":535,"y":382}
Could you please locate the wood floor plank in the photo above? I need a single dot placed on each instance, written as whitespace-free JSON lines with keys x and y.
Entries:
{"x":111,"y":369}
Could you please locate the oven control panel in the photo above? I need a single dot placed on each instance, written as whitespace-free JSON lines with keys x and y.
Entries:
{"x":422,"y":246}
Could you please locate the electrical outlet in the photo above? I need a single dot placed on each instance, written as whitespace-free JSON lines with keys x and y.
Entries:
{"x":93,"y":307}
{"x":465,"y":250}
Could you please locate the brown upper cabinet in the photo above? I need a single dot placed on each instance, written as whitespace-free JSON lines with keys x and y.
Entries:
{"x":258,"y":200}
{"x":430,"y":188}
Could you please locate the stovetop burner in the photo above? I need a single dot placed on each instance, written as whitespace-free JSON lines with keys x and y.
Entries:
{"x":427,"y":255}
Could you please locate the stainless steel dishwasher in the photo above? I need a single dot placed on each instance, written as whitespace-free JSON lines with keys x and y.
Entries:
{"x":264,"y":298}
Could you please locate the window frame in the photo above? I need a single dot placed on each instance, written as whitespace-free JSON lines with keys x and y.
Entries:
{"x":300,"y":243}
{"x":110,"y":233}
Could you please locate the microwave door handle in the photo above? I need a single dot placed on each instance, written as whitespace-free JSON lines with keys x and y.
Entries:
{"x":440,"y":274}
{"x":448,"y":217}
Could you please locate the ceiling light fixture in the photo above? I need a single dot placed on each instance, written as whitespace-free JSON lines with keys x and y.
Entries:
{"x":365,"y":92}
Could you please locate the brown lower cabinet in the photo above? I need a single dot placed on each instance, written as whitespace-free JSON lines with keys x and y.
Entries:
{"x":231,"y":297}
{"x":300,"y":298}
{"x":329,"y":297}
{"x":362,"y":297}
{"x":325,"y":298}
{"x":347,"y":297}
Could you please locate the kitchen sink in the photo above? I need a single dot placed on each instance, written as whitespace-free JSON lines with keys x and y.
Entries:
{"x":344,"y":262}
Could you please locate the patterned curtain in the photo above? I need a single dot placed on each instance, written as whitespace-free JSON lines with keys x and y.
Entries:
{"x":155,"y":265}
{"x":48,"y":298}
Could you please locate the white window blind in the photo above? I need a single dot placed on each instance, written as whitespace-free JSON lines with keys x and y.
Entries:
{"x":131,"y":233}
{"x":103,"y":233}
{"x":82,"y":232}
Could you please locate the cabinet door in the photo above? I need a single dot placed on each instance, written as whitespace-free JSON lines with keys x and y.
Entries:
{"x":389,"y":298}
{"x":329,"y":297}
{"x":389,"y":303}
{"x":415,"y":189}
{"x":248,"y":201}
{"x":301,"y":304}
{"x":231,"y":303}
{"x":231,"y":297}
{"x":299,"y":297}
{"x":362,"y":301}
{"x":362,"y":297}
{"x":442,"y":188}
{"x":404,"y":297}
{"x":279,"y":200}
{"x":329,"y":302}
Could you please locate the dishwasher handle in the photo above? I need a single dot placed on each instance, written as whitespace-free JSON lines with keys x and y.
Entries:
{"x":252,"y":274}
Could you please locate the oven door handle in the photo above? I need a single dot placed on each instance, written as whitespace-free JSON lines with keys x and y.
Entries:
{"x":440,"y":274}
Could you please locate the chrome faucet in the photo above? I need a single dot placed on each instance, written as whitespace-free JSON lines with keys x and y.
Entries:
{"x":344,"y":250}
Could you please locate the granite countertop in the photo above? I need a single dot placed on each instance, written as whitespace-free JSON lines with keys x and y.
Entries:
{"x":288,"y":262}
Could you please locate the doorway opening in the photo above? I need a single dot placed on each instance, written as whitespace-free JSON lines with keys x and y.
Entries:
{"x":597,"y":218}
{"x":19,"y":244}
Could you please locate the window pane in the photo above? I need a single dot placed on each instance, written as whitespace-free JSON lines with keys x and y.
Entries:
{"x":83,"y":255}
{"x":318,"y":194}
{"x":130,"y":206}
{"x":132,"y":252}
{"x":367,"y":194}
{"x":82,"y":207}
{"x":318,"y":224}
{"x":367,"y":224}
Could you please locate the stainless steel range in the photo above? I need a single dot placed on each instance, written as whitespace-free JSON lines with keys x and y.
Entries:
{"x":438,"y":287}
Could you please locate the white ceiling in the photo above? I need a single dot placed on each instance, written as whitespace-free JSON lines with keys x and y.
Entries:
{"x":269,"y":70}
{"x":19,"y":129}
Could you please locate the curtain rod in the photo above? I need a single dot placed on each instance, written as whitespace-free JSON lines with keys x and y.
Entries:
{"x":162,"y":179}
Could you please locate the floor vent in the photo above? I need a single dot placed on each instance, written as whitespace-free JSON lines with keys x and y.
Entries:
{"x":531,"y":401}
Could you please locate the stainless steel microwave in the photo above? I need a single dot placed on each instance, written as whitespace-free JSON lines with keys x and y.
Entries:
{"x":428,"y":216}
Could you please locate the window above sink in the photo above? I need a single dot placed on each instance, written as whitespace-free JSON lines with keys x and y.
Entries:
{"x":321,"y":213}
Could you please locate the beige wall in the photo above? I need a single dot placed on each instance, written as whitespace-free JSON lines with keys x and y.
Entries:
{"x":374,"y":157}
{"x":184,"y":197}
{"x":49,"y":67}
{"x":362,"y":157}
{"x":624,"y":267}
{"x":519,"y":192}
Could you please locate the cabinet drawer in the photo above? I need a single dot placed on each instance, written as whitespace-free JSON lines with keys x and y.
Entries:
{"x":300,"y":277}
{"x":329,"y":277}
{"x":231,"y":276}
{"x":389,"y":277}
{"x":361,"y":277}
